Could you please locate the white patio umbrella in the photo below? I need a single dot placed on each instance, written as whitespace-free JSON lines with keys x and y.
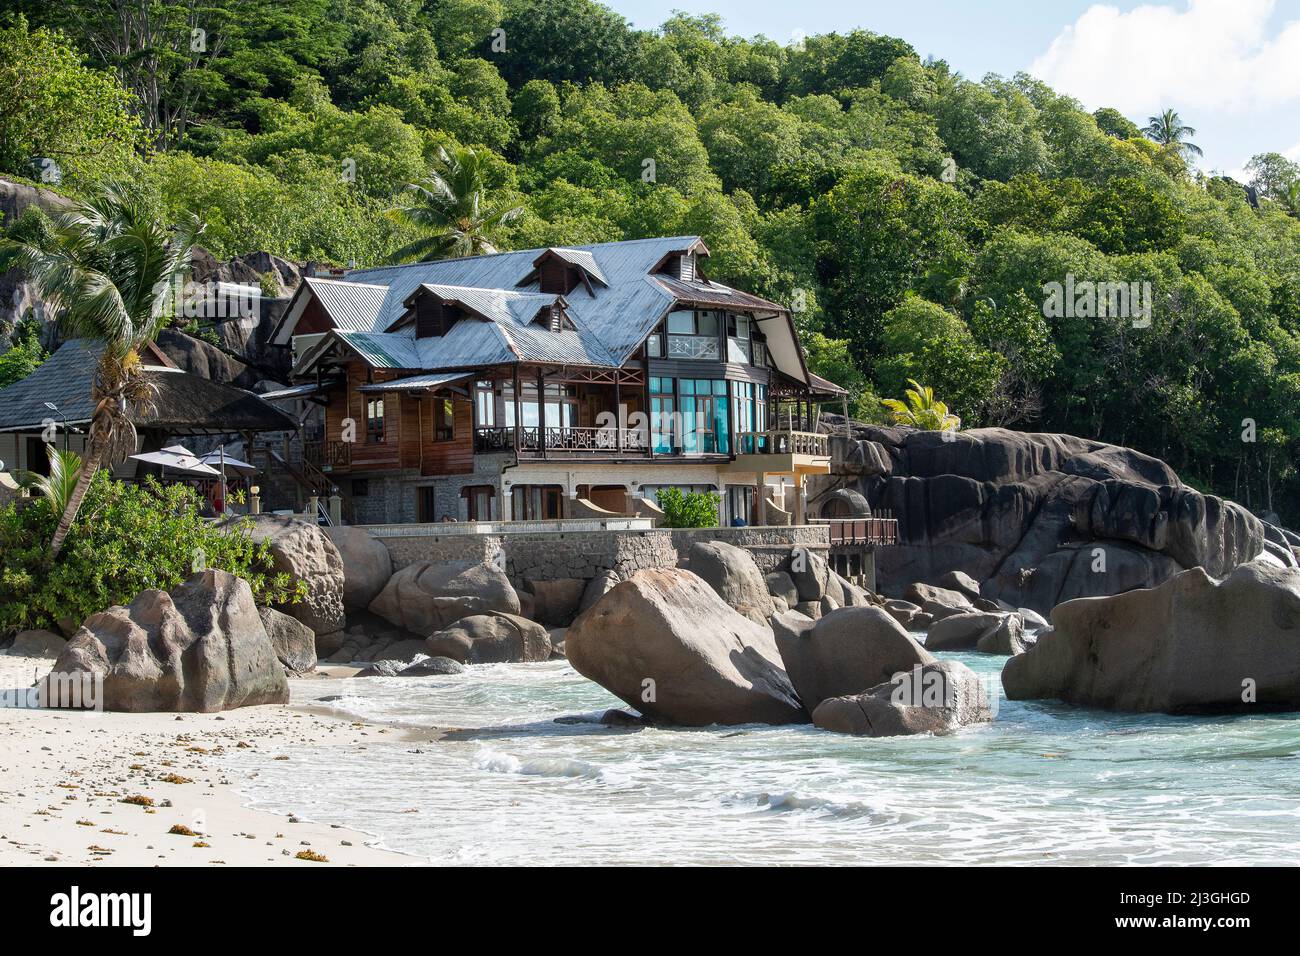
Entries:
{"x":177,"y":458}
{"x":234,"y":466}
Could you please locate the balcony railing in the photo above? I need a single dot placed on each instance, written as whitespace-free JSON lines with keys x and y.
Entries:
{"x":327,"y":455}
{"x":849,"y":532}
{"x":562,"y":438}
{"x":778,"y":442}
{"x":693,"y":347}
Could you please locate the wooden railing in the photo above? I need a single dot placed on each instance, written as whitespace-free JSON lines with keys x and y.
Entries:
{"x":851,"y":532}
{"x":327,"y":455}
{"x":781,"y":442}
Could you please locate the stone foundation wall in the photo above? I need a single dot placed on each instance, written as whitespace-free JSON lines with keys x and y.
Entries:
{"x":770,"y":546}
{"x":551,"y":555}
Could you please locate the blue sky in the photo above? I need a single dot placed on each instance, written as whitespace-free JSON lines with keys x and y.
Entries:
{"x":1230,"y":67}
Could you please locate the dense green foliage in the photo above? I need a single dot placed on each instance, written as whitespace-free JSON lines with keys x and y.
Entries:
{"x":24,"y":355}
{"x":910,"y":216}
{"x":689,"y":509}
{"x":127,"y":538}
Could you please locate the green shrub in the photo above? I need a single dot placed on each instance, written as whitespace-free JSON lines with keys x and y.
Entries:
{"x":689,"y":509}
{"x":126,"y":539}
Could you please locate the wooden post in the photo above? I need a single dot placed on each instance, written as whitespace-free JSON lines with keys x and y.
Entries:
{"x":618,"y":413}
{"x":541,"y":412}
{"x":519,"y":412}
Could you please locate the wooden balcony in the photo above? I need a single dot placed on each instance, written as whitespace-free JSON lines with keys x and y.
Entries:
{"x":860,"y":532}
{"x":327,"y":456}
{"x":533,"y":440}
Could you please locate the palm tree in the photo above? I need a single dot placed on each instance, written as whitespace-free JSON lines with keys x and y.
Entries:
{"x":450,"y":203}
{"x":107,"y":268}
{"x":1169,"y":131}
{"x":58,"y":486}
{"x":921,"y":410}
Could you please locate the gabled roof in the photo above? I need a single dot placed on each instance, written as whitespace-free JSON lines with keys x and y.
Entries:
{"x":495,"y":305}
{"x":182,"y":402}
{"x":609,"y":324}
{"x":351,"y":306}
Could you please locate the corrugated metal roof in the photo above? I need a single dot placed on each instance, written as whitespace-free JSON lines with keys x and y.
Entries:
{"x":296,"y":391}
{"x":583,"y":259}
{"x":412,"y":383}
{"x":352,"y":306}
{"x":618,"y":316}
{"x":611,"y":321}
{"x":384,"y":349}
{"x":499,"y":305}
{"x":715,"y":293}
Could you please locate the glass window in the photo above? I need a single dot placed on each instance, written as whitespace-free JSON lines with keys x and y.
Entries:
{"x":662,"y":405}
{"x":681,"y":323}
{"x":706,"y":323}
{"x":444,"y":420}
{"x":375,"y":420}
{"x":485,"y":405}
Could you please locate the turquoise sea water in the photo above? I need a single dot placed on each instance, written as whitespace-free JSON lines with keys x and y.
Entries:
{"x":1043,"y":783}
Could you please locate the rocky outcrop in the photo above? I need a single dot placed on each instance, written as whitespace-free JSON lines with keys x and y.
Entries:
{"x":1192,"y":644}
{"x":199,"y":647}
{"x":37,"y":643}
{"x":17,"y":295}
{"x":938,"y":698}
{"x":668,"y":645}
{"x":293,"y":641}
{"x":732,"y":573}
{"x":1037,"y":519}
{"x":425,"y":598}
{"x":367,"y":565}
{"x":845,"y":652}
{"x":961,"y":632}
{"x":493,"y":638}
{"x":556,"y":602}
{"x":302,"y":551}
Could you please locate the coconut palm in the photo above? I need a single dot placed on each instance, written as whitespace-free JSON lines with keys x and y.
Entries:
{"x":1168,"y":130}
{"x":450,"y":203}
{"x":921,"y":409}
{"x":107,"y":269}
{"x":58,"y":486}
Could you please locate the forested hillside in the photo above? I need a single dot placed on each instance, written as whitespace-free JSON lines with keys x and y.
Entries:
{"x":912,"y":217}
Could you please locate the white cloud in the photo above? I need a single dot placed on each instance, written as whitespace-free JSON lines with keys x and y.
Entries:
{"x":1205,"y":55}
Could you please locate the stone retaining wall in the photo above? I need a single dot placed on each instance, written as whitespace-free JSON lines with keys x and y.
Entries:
{"x":551,"y":555}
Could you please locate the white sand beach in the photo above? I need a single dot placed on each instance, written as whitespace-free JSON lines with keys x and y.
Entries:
{"x":77,"y":786}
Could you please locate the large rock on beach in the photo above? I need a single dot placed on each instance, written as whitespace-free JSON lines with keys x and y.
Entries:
{"x":937,"y":698}
{"x":305,"y":553}
{"x":294,"y":642}
{"x":1190,"y":645}
{"x":668,"y":645}
{"x":732,"y":573}
{"x":845,"y":652}
{"x":199,"y":647}
{"x":492,"y":638}
{"x":367,"y":565}
{"x":425,"y":597}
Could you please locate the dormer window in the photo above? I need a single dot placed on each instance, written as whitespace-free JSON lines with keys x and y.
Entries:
{"x":433,"y":317}
{"x":684,"y":264}
{"x":559,"y":271}
{"x":553,"y":317}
